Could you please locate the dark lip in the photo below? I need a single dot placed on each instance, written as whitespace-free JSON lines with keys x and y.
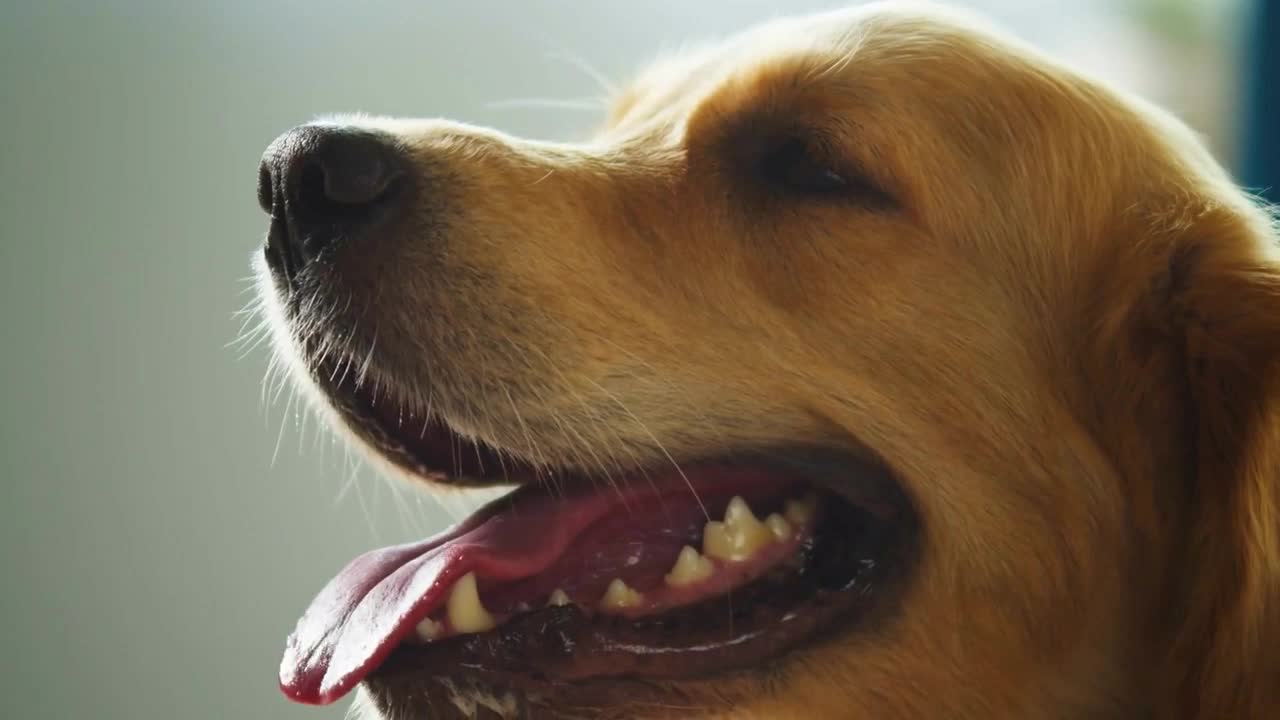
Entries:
{"x":466,"y":463}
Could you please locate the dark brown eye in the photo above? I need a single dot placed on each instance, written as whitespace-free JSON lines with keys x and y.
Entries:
{"x":793,"y":166}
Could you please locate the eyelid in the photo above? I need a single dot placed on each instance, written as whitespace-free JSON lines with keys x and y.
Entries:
{"x":798,"y":164}
{"x":833,"y":176}
{"x":857,"y":183}
{"x":748,"y":140}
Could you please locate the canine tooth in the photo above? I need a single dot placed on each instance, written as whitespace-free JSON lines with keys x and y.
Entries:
{"x":716,"y":541}
{"x":779,"y":526}
{"x":738,"y":512}
{"x":690,"y":567}
{"x":558,"y":598}
{"x":466,"y":613}
{"x":619,"y":597}
{"x":429,"y":629}
{"x":740,"y":535}
{"x":800,"y":512}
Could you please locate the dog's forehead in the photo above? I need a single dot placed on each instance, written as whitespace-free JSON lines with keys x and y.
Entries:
{"x":678,"y":77}
{"x":883,"y":38}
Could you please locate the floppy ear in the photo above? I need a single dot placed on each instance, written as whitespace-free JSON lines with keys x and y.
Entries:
{"x":1225,"y":295}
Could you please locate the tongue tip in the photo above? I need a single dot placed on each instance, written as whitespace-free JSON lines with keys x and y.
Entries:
{"x":304,"y":681}
{"x":323,"y":678}
{"x":307,"y":691}
{"x":364,"y":613}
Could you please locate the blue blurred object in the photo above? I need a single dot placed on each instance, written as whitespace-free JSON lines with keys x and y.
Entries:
{"x":1260,"y":165}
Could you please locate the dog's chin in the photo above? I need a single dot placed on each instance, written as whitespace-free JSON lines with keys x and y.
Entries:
{"x":596,"y":591}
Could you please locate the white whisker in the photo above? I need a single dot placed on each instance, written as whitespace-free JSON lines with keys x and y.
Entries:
{"x":658,"y":443}
{"x":275,"y":454}
{"x":576,"y":104}
{"x":524,"y":429}
{"x":606,"y":84}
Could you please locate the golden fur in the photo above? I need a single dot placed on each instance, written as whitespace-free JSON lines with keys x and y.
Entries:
{"x":1055,"y":317}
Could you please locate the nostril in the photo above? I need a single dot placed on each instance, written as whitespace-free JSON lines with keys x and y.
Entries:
{"x":309,"y":192}
{"x":340,"y":195}
{"x":356,"y":172}
{"x":324,"y":184}
{"x":265,"y":192}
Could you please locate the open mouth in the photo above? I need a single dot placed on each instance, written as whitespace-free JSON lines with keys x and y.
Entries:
{"x":715,"y":565}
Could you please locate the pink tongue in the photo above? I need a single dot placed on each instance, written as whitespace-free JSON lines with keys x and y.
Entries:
{"x":377,"y":600}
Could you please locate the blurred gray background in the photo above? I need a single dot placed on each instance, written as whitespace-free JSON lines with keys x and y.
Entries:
{"x":154,"y":555}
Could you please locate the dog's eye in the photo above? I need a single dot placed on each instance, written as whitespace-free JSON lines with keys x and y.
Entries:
{"x":794,"y":166}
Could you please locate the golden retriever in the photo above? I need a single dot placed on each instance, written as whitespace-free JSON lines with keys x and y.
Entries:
{"x":865,"y":365}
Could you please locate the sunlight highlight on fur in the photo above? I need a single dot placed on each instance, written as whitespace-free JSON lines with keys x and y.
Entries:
{"x":1032,"y":318}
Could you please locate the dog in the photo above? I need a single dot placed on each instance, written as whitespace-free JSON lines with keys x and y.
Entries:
{"x":864,"y":365}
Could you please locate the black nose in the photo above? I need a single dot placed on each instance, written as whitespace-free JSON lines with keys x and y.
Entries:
{"x":322,"y":184}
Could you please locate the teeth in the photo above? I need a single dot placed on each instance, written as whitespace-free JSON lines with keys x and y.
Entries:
{"x":619,"y":597}
{"x":690,"y":567}
{"x":429,"y":629}
{"x":558,"y":598}
{"x":465,"y":613}
{"x":779,"y":526}
{"x":740,"y":535}
{"x":800,"y":512}
{"x":738,"y":512}
{"x":716,"y":541}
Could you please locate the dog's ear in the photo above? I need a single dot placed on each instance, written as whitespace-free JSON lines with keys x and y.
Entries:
{"x":1224,"y":310}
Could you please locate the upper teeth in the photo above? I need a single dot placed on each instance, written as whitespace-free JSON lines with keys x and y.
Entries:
{"x":465,"y":613}
{"x":558,"y":597}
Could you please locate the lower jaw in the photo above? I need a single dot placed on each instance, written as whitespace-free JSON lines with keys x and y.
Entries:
{"x":563,"y":656}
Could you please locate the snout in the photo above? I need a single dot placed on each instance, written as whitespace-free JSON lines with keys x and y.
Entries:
{"x":327,"y":185}
{"x":453,"y":263}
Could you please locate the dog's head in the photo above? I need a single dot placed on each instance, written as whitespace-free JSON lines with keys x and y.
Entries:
{"x":990,"y":350}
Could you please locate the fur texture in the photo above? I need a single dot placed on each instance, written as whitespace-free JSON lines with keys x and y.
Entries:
{"x":1041,"y":302}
